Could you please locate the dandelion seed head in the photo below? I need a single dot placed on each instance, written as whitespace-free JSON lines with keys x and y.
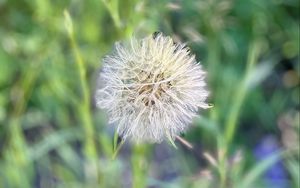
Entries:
{"x":151,"y":88}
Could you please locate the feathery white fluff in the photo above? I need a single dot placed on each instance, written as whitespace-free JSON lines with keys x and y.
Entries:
{"x":151,"y":88}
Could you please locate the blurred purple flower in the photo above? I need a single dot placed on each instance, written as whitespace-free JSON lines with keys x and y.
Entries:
{"x":276,"y":176}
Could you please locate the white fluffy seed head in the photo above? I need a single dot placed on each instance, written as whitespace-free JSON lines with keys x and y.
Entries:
{"x":151,"y":88}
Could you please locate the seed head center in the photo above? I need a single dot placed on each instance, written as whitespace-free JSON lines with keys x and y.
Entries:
{"x":155,"y":89}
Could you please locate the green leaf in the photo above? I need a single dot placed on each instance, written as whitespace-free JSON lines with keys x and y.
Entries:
{"x":171,"y":140}
{"x":115,"y":141}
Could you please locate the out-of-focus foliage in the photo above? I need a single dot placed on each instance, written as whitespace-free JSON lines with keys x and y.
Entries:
{"x":51,"y":135}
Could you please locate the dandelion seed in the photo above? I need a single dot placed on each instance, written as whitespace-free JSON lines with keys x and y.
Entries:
{"x":151,"y":88}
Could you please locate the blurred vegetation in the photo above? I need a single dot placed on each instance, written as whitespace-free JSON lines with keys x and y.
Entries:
{"x":51,"y":134}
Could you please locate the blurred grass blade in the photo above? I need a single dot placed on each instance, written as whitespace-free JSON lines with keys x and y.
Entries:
{"x":84,"y":110}
{"x":258,"y":170}
{"x":258,"y":74}
{"x":68,"y":22}
{"x":113,"y":9}
{"x":52,"y":142}
{"x":293,"y":167}
{"x":241,"y":92}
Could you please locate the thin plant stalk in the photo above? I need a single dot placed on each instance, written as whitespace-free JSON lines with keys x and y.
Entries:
{"x":139,"y":166}
{"x":240,"y":94}
{"x":213,"y":63}
{"x":231,"y":123}
{"x":84,"y":107}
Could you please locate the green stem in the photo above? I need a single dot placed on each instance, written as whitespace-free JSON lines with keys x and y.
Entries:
{"x":84,"y":107}
{"x":85,"y":110}
{"x":139,"y":166}
{"x":240,"y":94}
{"x":213,"y":63}
{"x":222,"y":162}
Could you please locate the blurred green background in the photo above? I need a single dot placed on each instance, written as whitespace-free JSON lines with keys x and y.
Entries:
{"x":51,"y":134}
